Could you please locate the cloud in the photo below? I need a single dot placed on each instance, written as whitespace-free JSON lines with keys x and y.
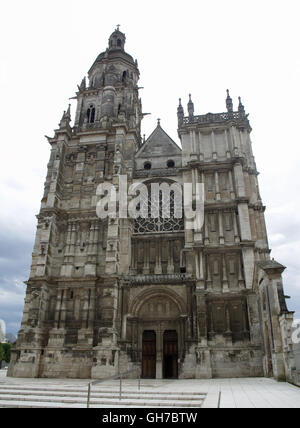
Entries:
{"x":15,"y":259}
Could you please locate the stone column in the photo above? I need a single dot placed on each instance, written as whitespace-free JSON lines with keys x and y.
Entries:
{"x":218,"y":194}
{"x":224,"y":278}
{"x":201,"y":317}
{"x":146,"y":267}
{"x":158,"y":267}
{"x":241,"y":281}
{"x":159,"y":352}
{"x":201,"y":156}
{"x":221,"y":230}
{"x":232,"y":192}
{"x":200,"y":282}
{"x":213,"y":143}
{"x":170,"y":268}
{"x":206,"y":237}
{"x":134,"y":245}
{"x":208,"y":281}
{"x":234,"y":141}
{"x":235,"y":228}
{"x":228,"y":154}
{"x":57,"y":315}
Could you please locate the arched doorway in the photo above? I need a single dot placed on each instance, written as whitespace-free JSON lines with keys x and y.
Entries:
{"x":149,"y":355}
{"x":170,"y":354}
{"x":153,"y":313}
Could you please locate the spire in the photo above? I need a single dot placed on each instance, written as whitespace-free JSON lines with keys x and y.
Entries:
{"x":82,"y":86}
{"x":229,"y":104}
{"x":66,"y":118}
{"x":68,"y":114}
{"x":241,"y":107}
{"x":190,"y":107}
{"x":180,"y":113}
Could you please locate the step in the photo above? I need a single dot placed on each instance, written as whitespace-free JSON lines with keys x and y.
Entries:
{"x":106,"y":394}
{"x":101,"y":400}
{"x":33,"y":404}
{"x":96,"y":390}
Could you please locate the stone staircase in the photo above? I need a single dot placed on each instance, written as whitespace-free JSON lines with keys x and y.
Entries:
{"x":104,"y":396}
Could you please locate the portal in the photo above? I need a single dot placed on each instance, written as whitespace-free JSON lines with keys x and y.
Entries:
{"x":170,"y":359}
{"x":149,"y":355}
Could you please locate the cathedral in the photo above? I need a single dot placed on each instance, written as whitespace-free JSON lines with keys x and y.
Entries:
{"x":115,"y":293}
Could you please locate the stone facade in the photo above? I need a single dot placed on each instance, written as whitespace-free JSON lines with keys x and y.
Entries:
{"x":113,"y":294}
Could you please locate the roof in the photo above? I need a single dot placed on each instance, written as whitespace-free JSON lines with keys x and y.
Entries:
{"x":159,"y":144}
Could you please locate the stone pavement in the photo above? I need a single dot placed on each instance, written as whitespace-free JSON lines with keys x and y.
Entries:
{"x":204,"y":393}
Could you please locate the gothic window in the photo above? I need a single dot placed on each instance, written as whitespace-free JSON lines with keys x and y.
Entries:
{"x":170,"y":163}
{"x":91,"y":114}
{"x":124,"y":76}
{"x":160,"y":222}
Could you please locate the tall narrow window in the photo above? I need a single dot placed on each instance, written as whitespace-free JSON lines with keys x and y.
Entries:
{"x":91,"y":114}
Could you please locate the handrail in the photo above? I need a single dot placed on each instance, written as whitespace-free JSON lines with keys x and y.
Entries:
{"x":119,"y":375}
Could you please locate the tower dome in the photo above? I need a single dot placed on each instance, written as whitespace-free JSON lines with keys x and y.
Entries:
{"x":116,"y":40}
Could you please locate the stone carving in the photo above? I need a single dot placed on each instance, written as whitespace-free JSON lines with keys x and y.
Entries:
{"x":96,"y":285}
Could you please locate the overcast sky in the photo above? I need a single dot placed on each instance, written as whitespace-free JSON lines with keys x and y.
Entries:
{"x":198,"y":47}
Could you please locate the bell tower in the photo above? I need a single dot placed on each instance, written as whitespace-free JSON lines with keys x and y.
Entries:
{"x":71,"y":324}
{"x":112,"y":94}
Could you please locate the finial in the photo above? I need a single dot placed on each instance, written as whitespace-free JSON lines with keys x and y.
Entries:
{"x":158,"y":122}
{"x":82,"y":86}
{"x":190,"y":106}
{"x":118,"y":27}
{"x":229,"y":104}
{"x":66,"y":118}
{"x":180,"y":113}
{"x":241,"y":107}
{"x":69,"y":110}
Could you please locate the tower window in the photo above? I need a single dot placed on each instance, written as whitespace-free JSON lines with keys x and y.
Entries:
{"x":91,"y":114}
{"x":147,"y":165}
{"x":119,"y":43}
{"x":170,"y":164}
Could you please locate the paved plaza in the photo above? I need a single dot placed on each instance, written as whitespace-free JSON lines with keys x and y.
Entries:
{"x":205,"y":393}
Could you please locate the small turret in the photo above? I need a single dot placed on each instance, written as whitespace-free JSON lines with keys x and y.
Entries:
{"x":241,"y":107}
{"x":82,"y":86}
{"x":180,"y":113}
{"x":229,"y":104}
{"x":190,"y":107}
{"x":66,"y":118}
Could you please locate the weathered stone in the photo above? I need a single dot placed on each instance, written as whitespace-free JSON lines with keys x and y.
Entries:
{"x":114,"y":294}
